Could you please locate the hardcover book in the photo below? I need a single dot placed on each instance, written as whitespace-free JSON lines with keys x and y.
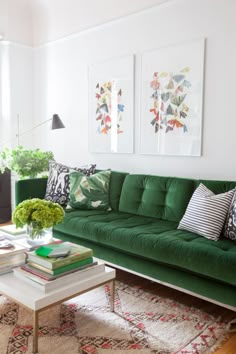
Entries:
{"x":9,"y":269}
{"x":8,"y":263}
{"x":15,"y":249}
{"x":77,"y":253}
{"x":63,"y":269}
{"x":47,"y":286}
{"x":11,"y":260}
{"x":41,"y":274}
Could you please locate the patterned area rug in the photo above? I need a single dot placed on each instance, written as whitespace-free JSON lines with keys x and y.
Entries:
{"x":148,"y":319}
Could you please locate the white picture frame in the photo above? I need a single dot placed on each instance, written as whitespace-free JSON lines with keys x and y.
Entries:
{"x":172,"y":100}
{"x":111,"y":106}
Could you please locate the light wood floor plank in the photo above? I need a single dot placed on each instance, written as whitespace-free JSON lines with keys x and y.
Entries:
{"x":228,"y":347}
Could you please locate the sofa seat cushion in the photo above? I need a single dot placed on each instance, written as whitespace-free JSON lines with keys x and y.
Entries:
{"x":111,"y":228}
{"x":156,"y":240}
{"x":114,"y":229}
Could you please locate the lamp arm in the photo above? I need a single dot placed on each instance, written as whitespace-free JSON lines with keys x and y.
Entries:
{"x":30,"y":130}
{"x":56,"y":124}
{"x":18,"y":134}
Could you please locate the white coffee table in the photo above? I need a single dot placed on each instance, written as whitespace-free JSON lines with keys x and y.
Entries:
{"x":34,"y":299}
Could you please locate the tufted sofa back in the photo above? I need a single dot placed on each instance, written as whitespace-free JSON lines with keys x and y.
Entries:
{"x":164,"y":198}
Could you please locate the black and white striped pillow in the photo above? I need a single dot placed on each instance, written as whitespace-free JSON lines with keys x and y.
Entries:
{"x":206,"y":212}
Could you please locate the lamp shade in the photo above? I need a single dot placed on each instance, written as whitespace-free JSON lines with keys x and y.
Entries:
{"x":56,"y":122}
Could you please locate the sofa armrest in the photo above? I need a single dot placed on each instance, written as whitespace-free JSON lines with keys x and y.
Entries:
{"x":30,"y":188}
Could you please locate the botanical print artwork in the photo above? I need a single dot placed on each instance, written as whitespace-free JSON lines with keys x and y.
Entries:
{"x":171,"y":99}
{"x":109,"y":109}
{"x":168,"y":94}
{"x":111,"y":101}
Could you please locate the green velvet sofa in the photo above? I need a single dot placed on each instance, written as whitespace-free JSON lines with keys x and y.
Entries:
{"x":140,"y":234}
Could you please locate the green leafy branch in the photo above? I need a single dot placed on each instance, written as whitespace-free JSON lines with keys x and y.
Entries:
{"x":26,"y":163}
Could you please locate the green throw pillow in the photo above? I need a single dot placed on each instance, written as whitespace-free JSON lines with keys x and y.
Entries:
{"x":90,"y":192}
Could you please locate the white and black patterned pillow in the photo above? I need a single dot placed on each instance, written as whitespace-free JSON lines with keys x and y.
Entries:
{"x":58,"y":184}
{"x":206,"y":212}
{"x":230,"y":223}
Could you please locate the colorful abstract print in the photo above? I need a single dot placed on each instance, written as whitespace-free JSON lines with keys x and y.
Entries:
{"x":169,"y":95}
{"x":109,"y":109}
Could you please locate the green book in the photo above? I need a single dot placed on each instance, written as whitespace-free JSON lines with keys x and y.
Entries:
{"x":77,"y":253}
{"x":63,"y":269}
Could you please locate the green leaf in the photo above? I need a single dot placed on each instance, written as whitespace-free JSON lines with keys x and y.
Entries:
{"x":178,"y":100}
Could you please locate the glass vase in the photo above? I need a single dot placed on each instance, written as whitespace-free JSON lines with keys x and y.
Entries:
{"x":37,"y":236}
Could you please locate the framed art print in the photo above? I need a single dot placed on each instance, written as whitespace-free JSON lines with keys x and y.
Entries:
{"x":111,"y":92}
{"x":171,"y":100}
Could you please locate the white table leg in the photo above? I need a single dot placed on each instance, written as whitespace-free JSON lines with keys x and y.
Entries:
{"x":112,"y":287}
{"x":35,"y":332}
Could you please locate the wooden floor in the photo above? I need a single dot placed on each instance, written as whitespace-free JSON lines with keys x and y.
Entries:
{"x":228,"y":347}
{"x":6,"y":223}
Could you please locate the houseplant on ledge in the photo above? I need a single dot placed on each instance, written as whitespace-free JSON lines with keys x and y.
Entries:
{"x":25,"y":163}
{"x":40,"y":216}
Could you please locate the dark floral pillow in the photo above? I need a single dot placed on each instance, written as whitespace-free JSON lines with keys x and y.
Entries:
{"x":58,"y":184}
{"x":230,"y":224}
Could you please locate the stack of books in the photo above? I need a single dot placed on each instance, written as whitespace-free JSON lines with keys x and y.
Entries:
{"x":10,"y":256}
{"x":11,"y":229}
{"x":48,"y":273}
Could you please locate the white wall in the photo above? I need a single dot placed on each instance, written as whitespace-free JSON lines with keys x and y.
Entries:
{"x":61,"y":85}
{"x":16,"y":93}
{"x":16,"y":97}
{"x":16,"y":74}
{"x":21,"y":86}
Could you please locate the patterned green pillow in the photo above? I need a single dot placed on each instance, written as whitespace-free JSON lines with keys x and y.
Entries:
{"x":90,"y":192}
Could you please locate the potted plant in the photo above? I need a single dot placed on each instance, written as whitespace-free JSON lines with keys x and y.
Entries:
{"x":39,"y":216}
{"x":26,"y":163}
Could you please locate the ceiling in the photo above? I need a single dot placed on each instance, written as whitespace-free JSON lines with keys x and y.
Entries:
{"x":54,"y":19}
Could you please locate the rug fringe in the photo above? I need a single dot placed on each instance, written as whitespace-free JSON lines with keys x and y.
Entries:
{"x":224,"y":337}
{"x":232,"y":326}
